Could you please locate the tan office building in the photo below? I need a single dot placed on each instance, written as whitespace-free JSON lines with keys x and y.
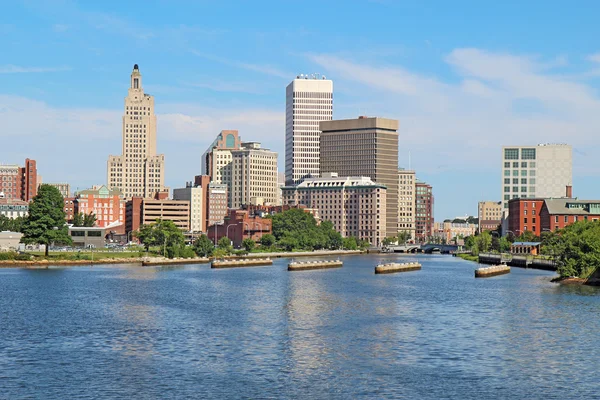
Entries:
{"x":138,"y":171}
{"x":355,"y":205}
{"x":364,"y":147}
{"x":254,"y":176}
{"x":489,"y":214}
{"x":217,"y":160}
{"x":406,"y":201}
{"x":140,"y":211}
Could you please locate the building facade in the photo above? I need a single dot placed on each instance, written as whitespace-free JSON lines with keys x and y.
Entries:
{"x":140,"y":211}
{"x":423,"y":211}
{"x":254,"y":176}
{"x":217,"y":160}
{"x":365,"y":147}
{"x":450,"y":232}
{"x":540,"y":171}
{"x":138,"y":171}
{"x":489,"y":214}
{"x":18,"y":182}
{"x":524,"y":215}
{"x":558,"y":213}
{"x":406,"y":201}
{"x":107,"y":205}
{"x":13,"y":208}
{"x":308,"y":101}
{"x":216,"y":208}
{"x":239,"y":225}
{"x":355,"y":205}
{"x":63,"y":188}
{"x":196,"y":197}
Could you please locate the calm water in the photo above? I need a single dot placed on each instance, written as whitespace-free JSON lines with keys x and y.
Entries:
{"x":192,"y":332}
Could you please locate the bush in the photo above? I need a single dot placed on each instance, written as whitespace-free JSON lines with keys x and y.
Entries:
{"x":10,"y":255}
{"x":187,"y":252}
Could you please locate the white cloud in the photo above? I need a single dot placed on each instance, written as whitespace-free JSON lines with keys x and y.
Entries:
{"x":594,"y":58}
{"x":261,"y":68}
{"x":15,"y":69}
{"x":494,"y":99}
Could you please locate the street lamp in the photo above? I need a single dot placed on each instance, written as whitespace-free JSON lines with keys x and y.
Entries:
{"x":227,"y":231}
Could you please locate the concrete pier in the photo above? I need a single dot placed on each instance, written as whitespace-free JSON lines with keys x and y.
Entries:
{"x":308,"y":265}
{"x":150,"y":262}
{"x":241,"y":263}
{"x":495,"y":270}
{"x":397,"y":267}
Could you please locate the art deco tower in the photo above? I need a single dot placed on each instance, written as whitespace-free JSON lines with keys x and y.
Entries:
{"x":139,"y":171}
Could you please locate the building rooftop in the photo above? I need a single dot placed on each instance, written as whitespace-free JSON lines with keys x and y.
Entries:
{"x":332,"y":180}
{"x":573,"y":206}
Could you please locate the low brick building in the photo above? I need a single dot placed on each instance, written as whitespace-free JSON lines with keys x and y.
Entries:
{"x":239,"y":225}
{"x":558,"y":213}
{"x":524,"y":215}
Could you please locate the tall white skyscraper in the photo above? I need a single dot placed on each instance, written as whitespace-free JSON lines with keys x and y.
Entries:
{"x":138,"y":171}
{"x":308,"y":101}
{"x":540,"y":171}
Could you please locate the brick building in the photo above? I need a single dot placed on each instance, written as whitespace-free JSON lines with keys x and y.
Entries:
{"x":69,"y":208}
{"x":19,"y":182}
{"x":107,"y":205}
{"x":524,"y":215}
{"x":239,"y":225}
{"x":558,"y":213}
{"x":423,"y":211}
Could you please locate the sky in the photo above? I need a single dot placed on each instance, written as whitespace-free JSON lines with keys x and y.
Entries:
{"x":463,"y":78}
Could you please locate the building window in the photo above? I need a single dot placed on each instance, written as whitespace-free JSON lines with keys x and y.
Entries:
{"x":525,"y":221}
{"x":506,"y":172}
{"x":528,"y":154}
{"x":523,"y":172}
{"x":507,"y":164}
{"x":515,"y":172}
{"x":566,"y":219}
{"x":511,"y":154}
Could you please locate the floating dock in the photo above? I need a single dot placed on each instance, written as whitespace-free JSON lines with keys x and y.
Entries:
{"x":308,"y":265}
{"x":397,"y":267}
{"x":175,"y":261}
{"x":241,"y":263}
{"x":486,"y":272}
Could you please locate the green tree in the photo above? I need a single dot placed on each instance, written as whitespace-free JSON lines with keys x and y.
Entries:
{"x":267,"y":240}
{"x":296,"y":229}
{"x":78,"y":219}
{"x":527,"y":236}
{"x":203,"y":246}
{"x":575,"y":249}
{"x":403,"y":237}
{"x":248,"y":244}
{"x":89,"y":220}
{"x":225,"y":244}
{"x":504,"y":245}
{"x":45,"y":223}
{"x":292,"y":221}
{"x":11,"y":224}
{"x":350,"y":243}
{"x":389,"y":240}
{"x":164,"y":234}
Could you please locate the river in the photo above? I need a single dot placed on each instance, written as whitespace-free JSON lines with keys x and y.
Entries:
{"x":129,"y":332}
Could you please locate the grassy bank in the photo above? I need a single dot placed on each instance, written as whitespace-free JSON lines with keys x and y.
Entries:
{"x":469,"y":257}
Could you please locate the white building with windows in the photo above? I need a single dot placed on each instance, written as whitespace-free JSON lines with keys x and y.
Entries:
{"x":195,"y":196}
{"x":355,"y":205}
{"x":308,"y":101}
{"x":138,"y":171}
{"x":541,"y":171}
{"x":406,"y":201}
{"x":254,"y":175}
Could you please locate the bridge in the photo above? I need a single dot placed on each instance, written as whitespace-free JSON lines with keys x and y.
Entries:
{"x":424,"y":248}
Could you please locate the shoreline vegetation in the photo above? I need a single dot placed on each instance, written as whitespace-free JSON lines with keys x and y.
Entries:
{"x":133,"y":258}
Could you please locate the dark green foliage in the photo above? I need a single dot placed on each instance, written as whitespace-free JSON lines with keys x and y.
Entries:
{"x":163,"y":234}
{"x":46,"y":221}
{"x":203,"y":246}
{"x":527,"y":236}
{"x":224,"y":244}
{"x":87,"y":220}
{"x":267,"y":240}
{"x":349,"y":243}
{"x":12,"y":225}
{"x":576,"y":249}
{"x":297,"y":230}
{"x":248,"y":244}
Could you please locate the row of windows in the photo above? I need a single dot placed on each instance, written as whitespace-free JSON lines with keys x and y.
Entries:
{"x":515,"y":172}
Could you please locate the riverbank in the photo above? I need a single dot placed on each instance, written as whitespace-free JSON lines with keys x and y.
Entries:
{"x":157,"y":261}
{"x":468,"y":257}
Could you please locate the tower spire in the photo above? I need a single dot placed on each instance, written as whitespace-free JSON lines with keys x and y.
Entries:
{"x":136,"y":78}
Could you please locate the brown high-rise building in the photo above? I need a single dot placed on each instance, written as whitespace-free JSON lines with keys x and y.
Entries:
{"x":423,"y":212}
{"x":19,"y":182}
{"x":364,"y":147}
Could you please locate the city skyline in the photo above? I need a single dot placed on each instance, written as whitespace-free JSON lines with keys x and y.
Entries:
{"x":459,"y":99}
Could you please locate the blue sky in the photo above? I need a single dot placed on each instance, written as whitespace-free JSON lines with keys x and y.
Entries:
{"x":463,"y":78}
